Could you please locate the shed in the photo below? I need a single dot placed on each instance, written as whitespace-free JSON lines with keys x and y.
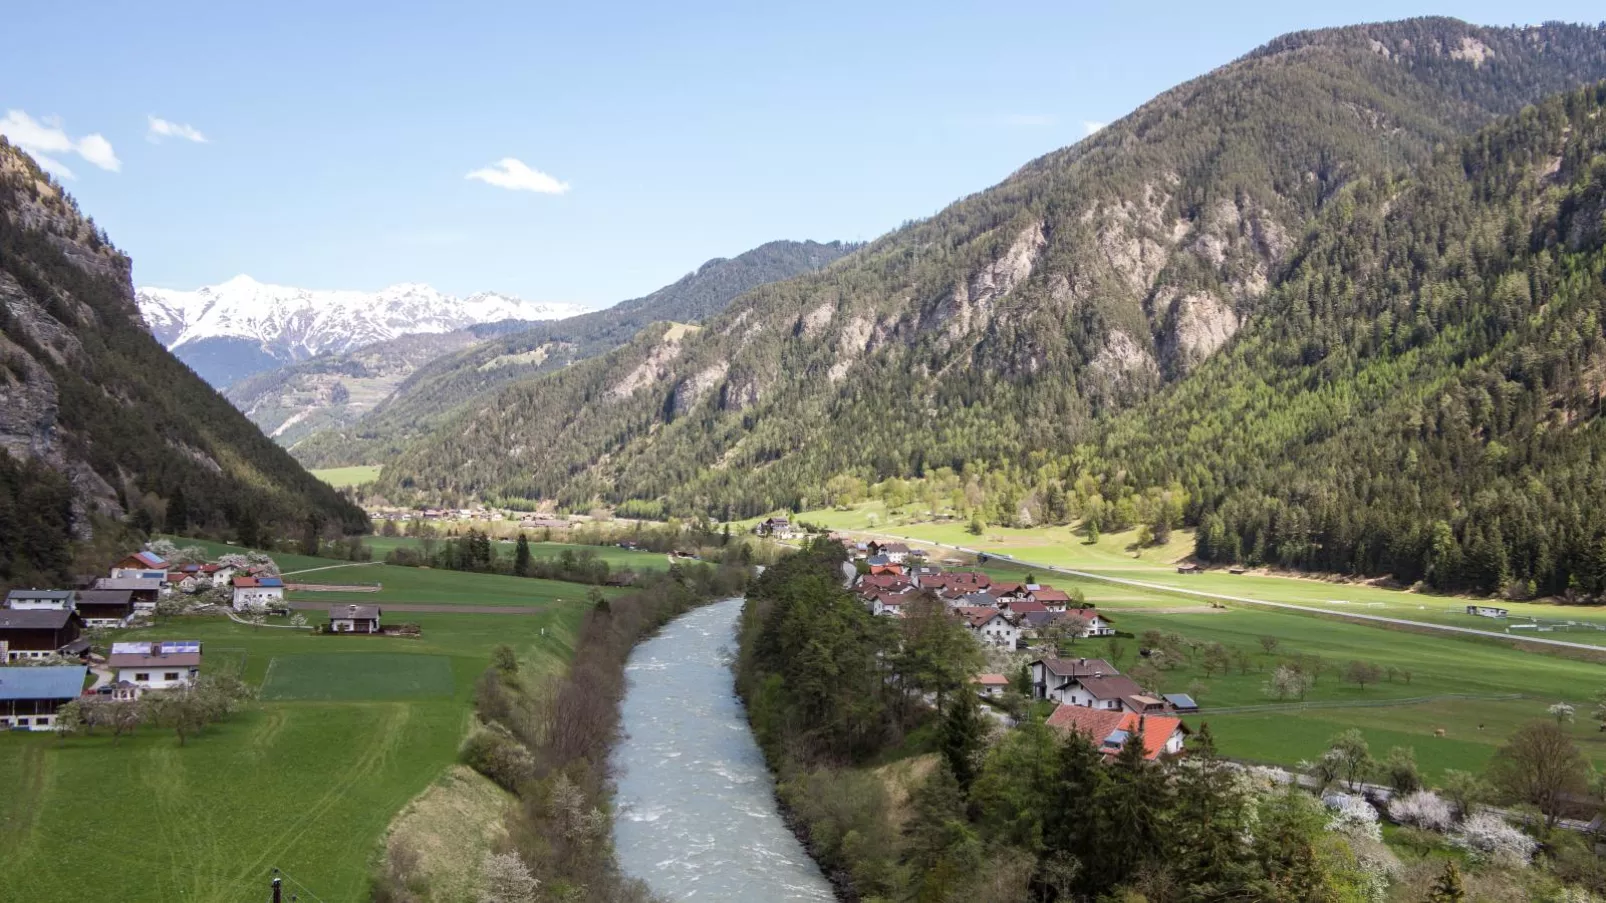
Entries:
{"x":30,"y":697}
{"x":354,"y":619}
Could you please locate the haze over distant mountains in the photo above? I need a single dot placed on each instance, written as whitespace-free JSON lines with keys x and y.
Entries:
{"x":229,"y":331}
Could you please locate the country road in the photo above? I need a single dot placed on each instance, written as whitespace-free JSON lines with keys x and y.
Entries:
{"x":1245,"y":600}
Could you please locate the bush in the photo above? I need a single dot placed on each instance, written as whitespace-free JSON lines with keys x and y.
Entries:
{"x":1352,"y":817}
{"x":1422,"y":809}
{"x":494,"y":753}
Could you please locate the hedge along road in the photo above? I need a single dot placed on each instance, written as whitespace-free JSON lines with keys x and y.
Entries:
{"x":445,"y":608}
{"x":1290,"y":606}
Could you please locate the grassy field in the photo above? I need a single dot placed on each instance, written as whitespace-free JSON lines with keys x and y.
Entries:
{"x":341,"y":477}
{"x":350,"y":730}
{"x":616,"y":557}
{"x":415,"y":585}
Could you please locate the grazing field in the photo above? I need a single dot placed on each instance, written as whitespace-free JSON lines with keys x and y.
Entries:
{"x":350,"y":730}
{"x":341,"y":477}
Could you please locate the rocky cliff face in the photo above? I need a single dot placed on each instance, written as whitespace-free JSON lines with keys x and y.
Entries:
{"x":86,"y":391}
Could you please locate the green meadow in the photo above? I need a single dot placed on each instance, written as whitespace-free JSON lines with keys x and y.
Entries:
{"x":616,"y":557}
{"x":348,"y":731}
{"x":342,"y":477}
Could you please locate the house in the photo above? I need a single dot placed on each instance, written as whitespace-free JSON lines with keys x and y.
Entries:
{"x":990,"y":626}
{"x":1051,"y":598}
{"x":1097,"y":624}
{"x":777,"y":528}
{"x":956,"y":583}
{"x":141,"y":561}
{"x":354,"y":619}
{"x":219,"y":574}
{"x":1116,"y":692}
{"x":37,"y":633}
{"x":1486,"y":611}
{"x":992,"y":685}
{"x":889,"y":604}
{"x":106,"y":607}
{"x":893,"y":582}
{"x":895,"y":552}
{"x":144,"y":590}
{"x":155,"y":666}
{"x":1181,"y":702}
{"x":1110,"y":730}
{"x":1052,"y":678}
{"x":1021,"y":606}
{"x":30,"y":697}
{"x":257,"y":592}
{"x":39,"y":599}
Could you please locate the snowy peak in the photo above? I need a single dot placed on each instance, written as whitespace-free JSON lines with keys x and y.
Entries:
{"x":291,"y":324}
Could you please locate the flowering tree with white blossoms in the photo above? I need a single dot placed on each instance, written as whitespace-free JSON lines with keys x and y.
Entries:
{"x":1423,"y":809}
{"x":1490,"y":839}
{"x":1352,"y":817}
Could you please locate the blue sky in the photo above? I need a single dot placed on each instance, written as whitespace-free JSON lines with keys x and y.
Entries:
{"x":339,"y":138}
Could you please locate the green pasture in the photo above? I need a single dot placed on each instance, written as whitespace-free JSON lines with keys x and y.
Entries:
{"x":342,"y":477}
{"x":302,"y":783}
{"x":617,"y":558}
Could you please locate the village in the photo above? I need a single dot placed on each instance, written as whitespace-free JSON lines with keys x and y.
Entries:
{"x":1090,"y":696}
{"x":57,"y":645}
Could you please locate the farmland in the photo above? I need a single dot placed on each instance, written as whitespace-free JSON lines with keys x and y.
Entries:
{"x":348,"y":731}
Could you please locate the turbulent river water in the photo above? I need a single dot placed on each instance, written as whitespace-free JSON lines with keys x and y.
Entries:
{"x":697,"y":817}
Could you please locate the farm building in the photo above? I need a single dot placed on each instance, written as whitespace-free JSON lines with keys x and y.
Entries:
{"x":156,"y":666}
{"x":257,"y":592}
{"x":1486,"y":611}
{"x":142,"y":561}
{"x":145,"y":590}
{"x":106,"y":607}
{"x":36,"y":633}
{"x":36,"y":599}
{"x":354,"y":619}
{"x":1182,"y":702}
{"x":30,"y":697}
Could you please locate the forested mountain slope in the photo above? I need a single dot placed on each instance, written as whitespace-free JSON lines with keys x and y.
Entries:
{"x":96,"y":418}
{"x":428,"y":396}
{"x":997,"y":330}
{"x":1422,"y":395}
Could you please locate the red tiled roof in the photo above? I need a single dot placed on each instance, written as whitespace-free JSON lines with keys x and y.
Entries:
{"x":977,"y":616}
{"x":991,"y":680}
{"x":1098,"y":724}
{"x":1050,"y":594}
{"x":247,"y":582}
{"x":1000,"y":589}
{"x":885,"y":581}
{"x":1022,"y":607}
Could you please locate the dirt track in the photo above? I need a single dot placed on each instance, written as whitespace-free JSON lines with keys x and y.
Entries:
{"x":428,"y":607}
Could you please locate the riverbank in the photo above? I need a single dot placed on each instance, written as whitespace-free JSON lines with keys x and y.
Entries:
{"x":546,"y":736}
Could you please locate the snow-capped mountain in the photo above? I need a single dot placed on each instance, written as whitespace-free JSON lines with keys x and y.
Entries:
{"x":243,"y":326}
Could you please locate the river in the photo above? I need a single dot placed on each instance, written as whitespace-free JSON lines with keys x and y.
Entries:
{"x":697,"y":817}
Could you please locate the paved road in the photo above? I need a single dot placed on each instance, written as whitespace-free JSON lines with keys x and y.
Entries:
{"x":1310,"y":609}
{"x":441,"y":608}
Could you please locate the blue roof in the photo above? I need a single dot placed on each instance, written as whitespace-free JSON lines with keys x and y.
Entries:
{"x":1181,"y":700}
{"x":56,"y":682}
{"x":269,"y":581}
{"x":1116,"y":738}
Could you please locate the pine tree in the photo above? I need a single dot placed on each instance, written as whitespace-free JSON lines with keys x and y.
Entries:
{"x":940,"y":847}
{"x":963,"y":735}
{"x":1448,"y":888}
{"x":1131,"y":806}
{"x":1070,"y":826}
{"x":521,"y":557}
{"x":178,"y":513}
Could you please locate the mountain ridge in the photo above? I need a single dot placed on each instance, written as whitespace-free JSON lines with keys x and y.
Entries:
{"x":213,"y":327}
{"x":998,"y":331}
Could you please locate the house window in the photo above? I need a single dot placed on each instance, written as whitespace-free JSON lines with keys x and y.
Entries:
{"x":142,"y":675}
{"x":171,"y":675}
{"x":22,"y":722}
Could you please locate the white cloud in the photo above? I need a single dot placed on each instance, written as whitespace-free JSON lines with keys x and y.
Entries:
{"x":1029,"y":119}
{"x":161,"y":128}
{"x":43,"y":139}
{"x":1089,"y":126}
{"x":513,"y":175}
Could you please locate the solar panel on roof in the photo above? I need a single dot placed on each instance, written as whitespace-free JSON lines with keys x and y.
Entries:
{"x":131,"y":648}
{"x":180,"y":647}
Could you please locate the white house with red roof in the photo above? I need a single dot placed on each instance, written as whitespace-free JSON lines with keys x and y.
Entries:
{"x":257,"y":592}
{"x":991,"y":626}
